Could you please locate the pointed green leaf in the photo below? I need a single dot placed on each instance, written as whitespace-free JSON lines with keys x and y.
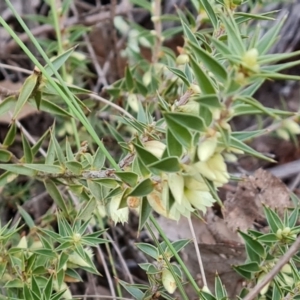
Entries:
{"x":28,"y":155}
{"x":7,"y":105}
{"x":145,"y":212}
{"x":27,"y":218}
{"x":180,"y":74}
{"x":129,"y":80}
{"x":220,"y":291}
{"x":45,"y":168}
{"x":48,"y":288}
{"x":234,"y":36}
{"x":169,"y":164}
{"x":182,"y":135}
{"x":220,"y":46}
{"x":74,"y":166}
{"x":38,"y":99}
{"x":270,"y":37}
{"x":130,"y":288}
{"x":5,"y":155}
{"x":250,"y":267}
{"x":256,"y":246}
{"x":186,"y":120}
{"x":87,"y":210}
{"x":145,"y":155}
{"x":18,"y":169}
{"x":268,"y":238}
{"x":55,"y":195}
{"x":253,"y":102}
{"x":25,"y":93}
{"x":235,"y":143}
{"x":293,"y":218}
{"x":144,"y":188}
{"x":59,"y":152}
{"x":243,"y":273}
{"x":210,"y":101}
{"x":11,"y":134}
{"x":95,"y":189}
{"x":129,"y":178}
{"x":188,"y":33}
{"x":99,"y":159}
{"x":35,"y":148}
{"x":202,"y":78}
{"x":27,"y":293}
{"x":63,"y":258}
{"x":273,"y":219}
{"x":210,"y":13}
{"x":54,"y":109}
{"x":174,"y":147}
{"x":148,"y":249}
{"x":58,"y":61}
{"x":50,"y":158}
{"x":209,"y":62}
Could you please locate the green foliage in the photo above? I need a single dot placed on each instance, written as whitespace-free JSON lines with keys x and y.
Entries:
{"x":174,"y":134}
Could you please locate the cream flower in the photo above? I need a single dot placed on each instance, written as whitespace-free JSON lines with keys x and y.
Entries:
{"x":207,"y":148}
{"x":118,"y":214}
{"x":168,"y":281}
{"x":214,"y":169}
{"x":199,"y":199}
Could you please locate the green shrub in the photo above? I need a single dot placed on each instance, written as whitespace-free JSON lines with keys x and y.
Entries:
{"x":174,"y":134}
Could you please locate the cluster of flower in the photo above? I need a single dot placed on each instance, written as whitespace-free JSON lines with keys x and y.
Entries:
{"x":186,"y":188}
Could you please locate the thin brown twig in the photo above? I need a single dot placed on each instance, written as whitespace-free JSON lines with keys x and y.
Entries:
{"x":158,"y":29}
{"x":197,"y":251}
{"x":283,"y":260}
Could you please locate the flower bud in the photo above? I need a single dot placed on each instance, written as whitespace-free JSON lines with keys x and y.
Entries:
{"x":168,"y":281}
{"x":286,"y":269}
{"x":231,"y":158}
{"x":282,"y":133}
{"x":250,"y":58}
{"x":147,"y":78}
{"x":182,"y":59}
{"x":79,"y":56}
{"x":292,"y":126}
{"x":286,"y":231}
{"x":279,"y":234}
{"x":264,"y":290}
{"x":216,"y":113}
{"x":76,"y":237}
{"x":207,"y":148}
{"x":133,"y":102}
{"x":195,"y":88}
{"x":22,"y":243}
